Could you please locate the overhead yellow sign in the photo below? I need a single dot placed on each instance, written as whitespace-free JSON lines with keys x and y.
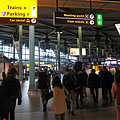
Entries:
{"x":22,"y":10}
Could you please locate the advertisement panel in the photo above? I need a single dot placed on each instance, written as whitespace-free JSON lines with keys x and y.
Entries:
{"x":74,"y":51}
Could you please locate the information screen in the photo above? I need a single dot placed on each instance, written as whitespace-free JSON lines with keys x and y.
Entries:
{"x":18,"y":12}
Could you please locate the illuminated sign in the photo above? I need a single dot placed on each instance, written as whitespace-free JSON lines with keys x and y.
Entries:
{"x":42,"y":63}
{"x":18,"y":12}
{"x":99,"y":20}
{"x":75,"y":51}
{"x":102,"y":63}
{"x":118,"y":27}
{"x":49,"y":65}
{"x":61,"y":18}
{"x":83,"y":51}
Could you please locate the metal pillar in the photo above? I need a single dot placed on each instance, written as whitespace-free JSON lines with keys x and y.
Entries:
{"x":25,"y":54}
{"x":39,"y":55}
{"x":68,"y":50}
{"x":58,"y":53}
{"x":97,"y":51}
{"x":32,"y":59}
{"x":80,"y":42}
{"x":13,"y":50}
{"x":89,"y":49}
{"x":20,"y":54}
{"x":102,"y":52}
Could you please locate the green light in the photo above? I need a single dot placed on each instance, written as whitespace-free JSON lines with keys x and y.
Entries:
{"x":99,"y":20}
{"x":102,"y":63}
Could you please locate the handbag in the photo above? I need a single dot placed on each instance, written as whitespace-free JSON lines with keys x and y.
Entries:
{"x":49,"y":95}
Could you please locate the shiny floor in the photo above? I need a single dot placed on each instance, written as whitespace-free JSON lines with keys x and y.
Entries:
{"x":31,"y":108}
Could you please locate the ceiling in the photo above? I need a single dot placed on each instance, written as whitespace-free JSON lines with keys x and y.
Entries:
{"x":46,"y":32}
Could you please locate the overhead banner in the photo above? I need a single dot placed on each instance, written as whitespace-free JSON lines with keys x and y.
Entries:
{"x":18,"y":12}
{"x":62,"y":18}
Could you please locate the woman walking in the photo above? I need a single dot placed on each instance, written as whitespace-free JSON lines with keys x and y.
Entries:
{"x":59,"y":103}
{"x":116,"y":93}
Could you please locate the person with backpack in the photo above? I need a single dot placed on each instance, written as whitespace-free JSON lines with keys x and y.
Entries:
{"x":116,"y":93}
{"x":94,"y":83}
{"x":59,"y":103}
{"x":106,"y":79}
{"x":44,"y":85}
{"x":69,"y":84}
{"x":80,"y":76}
{"x":12,"y":90}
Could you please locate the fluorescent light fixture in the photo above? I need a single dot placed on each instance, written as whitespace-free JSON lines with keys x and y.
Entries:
{"x":118,"y":27}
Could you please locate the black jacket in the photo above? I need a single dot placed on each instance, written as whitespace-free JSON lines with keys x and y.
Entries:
{"x":43,"y":81}
{"x":69,"y":81}
{"x":3,"y":104}
{"x":81,"y":79}
{"x":94,"y":81}
{"x":11,"y":87}
{"x":106,"y":79}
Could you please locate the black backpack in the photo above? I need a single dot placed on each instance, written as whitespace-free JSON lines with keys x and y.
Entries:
{"x":43,"y":80}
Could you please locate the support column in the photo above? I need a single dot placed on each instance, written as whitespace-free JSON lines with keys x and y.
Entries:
{"x":78,"y":47}
{"x":97,"y":51}
{"x":39,"y":55}
{"x":102,"y":52}
{"x":25,"y":54}
{"x":58,"y":53}
{"x":31,"y":58}
{"x":13,"y":50}
{"x":89,"y":49}
{"x":68,"y":52}
{"x":106,"y":54}
{"x":80,"y":42}
{"x":20,"y":54}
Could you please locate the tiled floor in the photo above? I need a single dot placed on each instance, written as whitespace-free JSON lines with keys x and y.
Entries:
{"x":31,"y":109}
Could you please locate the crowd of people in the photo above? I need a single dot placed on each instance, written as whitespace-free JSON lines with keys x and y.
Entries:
{"x":68,"y":93}
{"x":75,"y":82}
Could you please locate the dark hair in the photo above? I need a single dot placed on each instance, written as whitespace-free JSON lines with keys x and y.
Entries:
{"x":77,"y":66}
{"x":105,"y":68}
{"x":93,"y":71}
{"x":57,"y":82}
{"x":12,"y":71}
{"x":67,"y":69}
{"x":117,"y":76}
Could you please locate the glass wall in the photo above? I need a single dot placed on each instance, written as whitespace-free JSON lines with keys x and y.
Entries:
{"x":47,"y":56}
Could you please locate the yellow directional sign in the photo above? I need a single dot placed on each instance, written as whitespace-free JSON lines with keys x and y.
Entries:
{"x":18,"y":11}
